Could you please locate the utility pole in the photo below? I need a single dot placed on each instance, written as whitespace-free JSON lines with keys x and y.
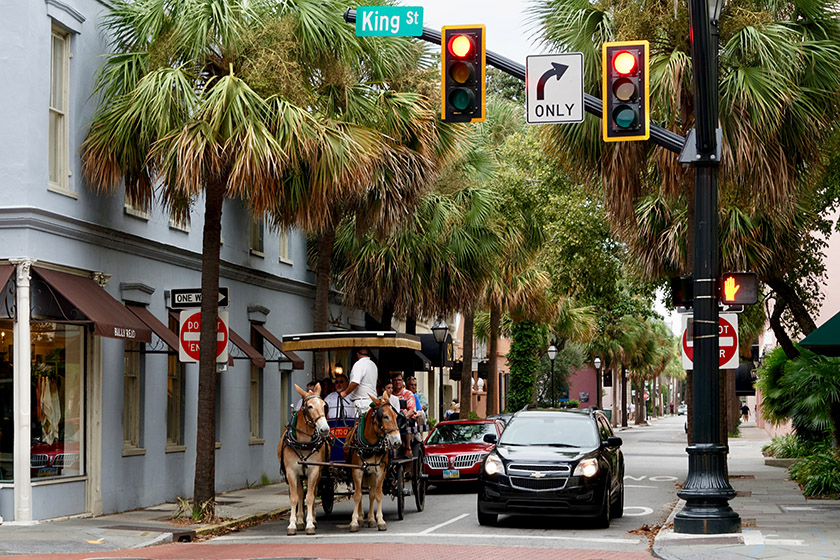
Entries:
{"x":706,"y":490}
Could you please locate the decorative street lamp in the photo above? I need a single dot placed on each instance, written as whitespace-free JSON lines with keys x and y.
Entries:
{"x":440,"y":330}
{"x":552,"y":353}
{"x":597,"y":363}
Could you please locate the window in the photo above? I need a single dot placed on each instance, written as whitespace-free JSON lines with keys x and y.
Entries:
{"x":132,"y":389}
{"x":285,"y":252}
{"x":135,"y":208}
{"x":256,"y":389}
{"x":257,"y":232}
{"x":59,"y":101}
{"x":174,"y":399}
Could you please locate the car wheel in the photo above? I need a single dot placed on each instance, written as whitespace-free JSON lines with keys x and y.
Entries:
{"x":485,"y":518}
{"x":602,"y":520}
{"x":617,"y":510}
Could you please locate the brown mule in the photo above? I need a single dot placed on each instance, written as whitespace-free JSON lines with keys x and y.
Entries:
{"x":305,"y":439}
{"x":368,"y":447}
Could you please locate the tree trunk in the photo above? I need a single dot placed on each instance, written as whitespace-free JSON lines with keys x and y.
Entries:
{"x":834,"y":412}
{"x":623,"y":397}
{"x":411,"y":324}
{"x":640,"y":403}
{"x":794,"y":302}
{"x":467,"y":356}
{"x":204,"y":489}
{"x":494,"y":383}
{"x":779,"y":330}
{"x":387,"y":316}
{"x":324,"y":244}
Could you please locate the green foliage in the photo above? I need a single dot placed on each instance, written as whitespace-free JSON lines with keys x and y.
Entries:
{"x":570,"y":357}
{"x":473,"y":416}
{"x":505,"y":86}
{"x":523,"y":358}
{"x":819,"y":474}
{"x":791,"y":446}
{"x":571,"y":403}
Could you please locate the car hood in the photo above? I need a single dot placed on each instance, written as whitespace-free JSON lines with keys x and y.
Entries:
{"x":540,"y":454}
{"x":458,"y":448}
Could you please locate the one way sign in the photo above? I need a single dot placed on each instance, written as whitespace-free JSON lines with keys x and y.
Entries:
{"x":554,"y":84}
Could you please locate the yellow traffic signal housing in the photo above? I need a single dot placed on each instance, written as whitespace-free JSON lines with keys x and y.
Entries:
{"x":463,"y":89}
{"x":626,"y":91}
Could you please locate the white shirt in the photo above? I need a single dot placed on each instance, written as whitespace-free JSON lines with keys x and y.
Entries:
{"x":335,"y":407}
{"x":365,"y":375}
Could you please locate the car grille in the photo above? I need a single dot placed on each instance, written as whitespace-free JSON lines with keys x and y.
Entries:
{"x":464,"y":461}
{"x":437,"y":461}
{"x":538,"y":484}
{"x":549,"y":470}
{"x":63,"y":460}
{"x":39,"y":460}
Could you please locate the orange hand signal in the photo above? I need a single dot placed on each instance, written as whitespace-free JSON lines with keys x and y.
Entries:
{"x":730,"y":288}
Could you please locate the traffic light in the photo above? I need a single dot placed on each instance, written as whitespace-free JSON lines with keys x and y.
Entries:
{"x":739,"y":288}
{"x":626,"y":91}
{"x":682,"y":291}
{"x":462,"y":82}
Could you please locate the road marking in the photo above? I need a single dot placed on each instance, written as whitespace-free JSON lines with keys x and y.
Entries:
{"x":644,"y":511}
{"x":444,"y":524}
{"x":459,"y":536}
{"x":639,"y":486}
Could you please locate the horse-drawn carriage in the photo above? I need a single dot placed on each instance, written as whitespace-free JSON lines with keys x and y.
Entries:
{"x":360,"y":450}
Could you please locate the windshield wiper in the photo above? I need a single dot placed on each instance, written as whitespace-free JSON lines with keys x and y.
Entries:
{"x":560,"y":445}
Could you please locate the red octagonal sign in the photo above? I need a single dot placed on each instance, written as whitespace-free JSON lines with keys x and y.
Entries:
{"x":191,"y":334}
{"x":727,"y":343}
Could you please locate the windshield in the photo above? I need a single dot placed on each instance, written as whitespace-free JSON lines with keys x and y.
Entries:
{"x":572,"y":431}
{"x":460,"y":433}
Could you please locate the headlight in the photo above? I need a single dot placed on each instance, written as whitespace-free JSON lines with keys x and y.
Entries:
{"x":587,"y":468}
{"x":493,"y":465}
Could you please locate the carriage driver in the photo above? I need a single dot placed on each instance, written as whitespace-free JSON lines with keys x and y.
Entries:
{"x":363,"y":379}
{"x":340,"y":407}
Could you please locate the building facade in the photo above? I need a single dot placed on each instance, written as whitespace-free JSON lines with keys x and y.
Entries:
{"x":97,"y":413}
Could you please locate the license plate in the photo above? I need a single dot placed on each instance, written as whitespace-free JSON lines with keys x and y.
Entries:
{"x":452,"y":474}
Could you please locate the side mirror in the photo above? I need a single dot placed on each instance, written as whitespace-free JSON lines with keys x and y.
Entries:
{"x":490,"y":438}
{"x":613,"y":441}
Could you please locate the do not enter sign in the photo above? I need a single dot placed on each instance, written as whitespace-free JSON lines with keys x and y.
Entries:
{"x":191,"y":334}
{"x":727,"y":341}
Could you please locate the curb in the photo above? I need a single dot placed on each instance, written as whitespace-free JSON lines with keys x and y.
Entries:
{"x":211,"y":529}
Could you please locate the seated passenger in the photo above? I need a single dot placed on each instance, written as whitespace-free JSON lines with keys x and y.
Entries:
{"x":340,"y":407}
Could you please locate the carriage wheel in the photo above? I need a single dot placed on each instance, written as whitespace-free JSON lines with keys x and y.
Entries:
{"x":399,"y":483}
{"x":418,"y":481}
{"x":327,"y":492}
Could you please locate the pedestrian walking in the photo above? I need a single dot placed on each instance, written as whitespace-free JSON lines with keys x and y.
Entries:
{"x":745,"y":412}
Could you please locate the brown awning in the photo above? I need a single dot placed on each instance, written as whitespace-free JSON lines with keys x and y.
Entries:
{"x":297,"y":362}
{"x":110,"y":318}
{"x":6,"y":271}
{"x":257,"y":359}
{"x":163,"y":332}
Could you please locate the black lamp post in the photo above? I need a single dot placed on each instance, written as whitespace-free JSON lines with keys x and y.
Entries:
{"x":440,"y":329}
{"x":597,"y":363}
{"x":552,"y":353}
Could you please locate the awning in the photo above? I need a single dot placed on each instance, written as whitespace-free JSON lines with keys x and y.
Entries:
{"x":431,"y":349}
{"x":6,"y":271}
{"x":161,"y":330}
{"x":110,"y":318}
{"x":297,"y":362}
{"x":257,"y":359}
{"x":826,"y":339}
{"x":350,"y":339}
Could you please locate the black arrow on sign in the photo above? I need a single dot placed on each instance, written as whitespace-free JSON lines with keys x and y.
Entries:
{"x":556,"y":70}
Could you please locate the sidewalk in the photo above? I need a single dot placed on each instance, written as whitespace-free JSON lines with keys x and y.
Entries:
{"x":777,"y":521}
{"x":140,"y":528}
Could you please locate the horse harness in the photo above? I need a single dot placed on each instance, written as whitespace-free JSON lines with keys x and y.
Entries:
{"x":364,"y":448}
{"x":304,"y":449}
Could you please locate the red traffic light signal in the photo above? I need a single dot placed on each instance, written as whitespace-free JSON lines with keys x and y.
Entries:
{"x":626,"y":91}
{"x":739,"y":288}
{"x":462,"y":73}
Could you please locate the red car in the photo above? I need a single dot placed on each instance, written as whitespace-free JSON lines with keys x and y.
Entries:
{"x":455,"y":449}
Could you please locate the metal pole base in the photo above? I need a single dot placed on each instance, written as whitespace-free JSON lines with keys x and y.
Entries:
{"x":707,"y":493}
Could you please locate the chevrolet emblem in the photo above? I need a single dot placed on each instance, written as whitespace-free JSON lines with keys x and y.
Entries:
{"x":537,"y":475}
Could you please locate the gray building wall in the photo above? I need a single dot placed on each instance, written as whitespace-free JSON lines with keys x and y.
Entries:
{"x":93,"y":232}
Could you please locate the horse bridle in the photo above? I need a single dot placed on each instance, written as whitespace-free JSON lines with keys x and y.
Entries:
{"x":313,"y":421}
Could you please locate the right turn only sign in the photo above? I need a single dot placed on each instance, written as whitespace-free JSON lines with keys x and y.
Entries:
{"x":554,"y":88}
{"x":727,"y":341}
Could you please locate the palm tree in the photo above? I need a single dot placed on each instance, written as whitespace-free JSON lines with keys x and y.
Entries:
{"x":175,"y":114}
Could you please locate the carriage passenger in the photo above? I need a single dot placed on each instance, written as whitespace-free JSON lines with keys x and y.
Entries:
{"x":363,"y":378}
{"x":340,"y":407}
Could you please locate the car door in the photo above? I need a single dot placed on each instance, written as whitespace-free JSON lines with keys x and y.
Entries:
{"x":611,"y":454}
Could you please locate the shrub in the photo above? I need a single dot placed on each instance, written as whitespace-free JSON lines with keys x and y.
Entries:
{"x":571,"y":403}
{"x":791,"y":446}
{"x":819,"y":474}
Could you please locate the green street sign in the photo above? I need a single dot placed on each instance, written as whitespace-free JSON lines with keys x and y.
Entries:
{"x":389,"y":21}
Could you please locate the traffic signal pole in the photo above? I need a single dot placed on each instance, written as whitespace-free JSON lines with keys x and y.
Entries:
{"x":706,"y":490}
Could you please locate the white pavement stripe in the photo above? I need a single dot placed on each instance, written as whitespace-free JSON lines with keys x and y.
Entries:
{"x":458,"y":536}
{"x":444,"y":524}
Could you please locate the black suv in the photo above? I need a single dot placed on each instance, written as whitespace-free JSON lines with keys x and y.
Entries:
{"x":554,"y":462}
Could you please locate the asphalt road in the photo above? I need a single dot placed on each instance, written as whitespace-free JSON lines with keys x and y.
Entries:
{"x":655,"y":462}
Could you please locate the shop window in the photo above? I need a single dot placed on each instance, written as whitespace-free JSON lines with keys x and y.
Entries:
{"x":59,"y":149}
{"x":57,"y":374}
{"x":132,"y":397}
{"x":174,"y":403}
{"x":6,"y":401}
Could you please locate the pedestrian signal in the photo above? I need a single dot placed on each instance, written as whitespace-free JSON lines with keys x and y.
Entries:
{"x":462,"y":81}
{"x":626,"y":91}
{"x":739,"y":288}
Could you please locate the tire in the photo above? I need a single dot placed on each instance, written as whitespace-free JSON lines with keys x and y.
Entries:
{"x":327,"y":491}
{"x":602,"y":520}
{"x":486,"y":519}
{"x":617,"y":511}
{"x":418,"y":480}
{"x":399,"y":481}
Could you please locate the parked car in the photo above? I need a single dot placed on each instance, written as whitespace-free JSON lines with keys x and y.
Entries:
{"x":555,"y":462}
{"x":503,"y":416}
{"x":682,"y":409}
{"x":456,"y":448}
